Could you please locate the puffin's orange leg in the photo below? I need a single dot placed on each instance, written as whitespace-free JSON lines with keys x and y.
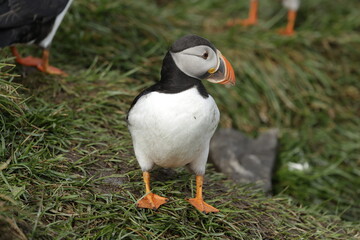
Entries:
{"x":41,"y":63}
{"x":198,"y":201}
{"x":289,"y":29}
{"x":45,"y":67}
{"x":27,"y":61}
{"x":151,"y":200}
{"x":251,"y":20}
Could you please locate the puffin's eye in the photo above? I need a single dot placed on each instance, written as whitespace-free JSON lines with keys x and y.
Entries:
{"x":205,"y":55}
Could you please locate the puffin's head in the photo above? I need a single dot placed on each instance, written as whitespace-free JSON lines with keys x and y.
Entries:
{"x":198,"y":58}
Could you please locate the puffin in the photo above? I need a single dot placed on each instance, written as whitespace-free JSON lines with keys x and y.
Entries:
{"x":291,"y":5}
{"x":32,"y":22}
{"x":171,"y":122}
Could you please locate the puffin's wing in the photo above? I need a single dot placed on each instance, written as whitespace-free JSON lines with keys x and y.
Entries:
{"x":17,"y":13}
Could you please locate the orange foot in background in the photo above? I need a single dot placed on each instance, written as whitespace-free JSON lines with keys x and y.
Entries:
{"x":252,"y":17}
{"x":51,"y":70}
{"x":151,"y":201}
{"x":286,"y":32}
{"x":242,"y":22}
{"x":202,"y":206}
{"x":289,"y":29}
{"x":29,"y":61}
{"x":41,"y":63}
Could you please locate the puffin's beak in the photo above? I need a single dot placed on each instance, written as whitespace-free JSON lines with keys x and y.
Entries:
{"x":224,"y":73}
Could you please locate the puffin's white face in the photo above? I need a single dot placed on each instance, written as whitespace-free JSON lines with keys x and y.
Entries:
{"x":196,"y":61}
{"x":202,"y":62}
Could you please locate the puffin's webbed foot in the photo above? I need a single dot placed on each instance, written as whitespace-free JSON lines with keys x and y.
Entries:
{"x":289,"y":29}
{"x":40,"y":63}
{"x":198,"y":201}
{"x":202,"y":206}
{"x":50,"y":70}
{"x":151,"y":201}
{"x":243,"y":22}
{"x":251,"y":20}
{"x":29,"y":61}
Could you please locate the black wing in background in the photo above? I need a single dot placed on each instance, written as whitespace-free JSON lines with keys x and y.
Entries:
{"x":16,"y":13}
{"x":22,"y":21}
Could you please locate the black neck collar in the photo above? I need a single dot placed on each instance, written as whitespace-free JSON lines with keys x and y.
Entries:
{"x":173,"y":80}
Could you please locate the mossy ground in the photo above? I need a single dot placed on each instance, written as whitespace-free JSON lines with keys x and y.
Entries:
{"x":67,"y":169}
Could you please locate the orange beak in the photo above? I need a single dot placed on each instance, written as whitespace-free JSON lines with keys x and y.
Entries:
{"x":224,"y":74}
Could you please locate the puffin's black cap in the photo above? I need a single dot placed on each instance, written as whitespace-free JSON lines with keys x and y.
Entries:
{"x":189,"y":41}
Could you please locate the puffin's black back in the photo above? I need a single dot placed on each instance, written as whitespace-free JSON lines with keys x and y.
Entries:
{"x":22,"y":21}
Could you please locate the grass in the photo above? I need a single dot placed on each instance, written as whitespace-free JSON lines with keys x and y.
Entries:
{"x":67,"y":169}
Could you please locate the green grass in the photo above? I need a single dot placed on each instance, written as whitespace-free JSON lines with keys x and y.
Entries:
{"x":67,"y":170}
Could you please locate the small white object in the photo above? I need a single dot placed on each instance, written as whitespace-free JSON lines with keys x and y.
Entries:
{"x":298,"y":166}
{"x":291,"y":4}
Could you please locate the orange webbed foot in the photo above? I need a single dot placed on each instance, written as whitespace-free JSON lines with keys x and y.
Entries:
{"x":286,"y":32}
{"x":248,"y":22}
{"x":202,"y":206}
{"x":29,"y":61}
{"x":289,"y":29}
{"x":151,"y":201}
{"x":252,"y":17}
{"x":51,"y":70}
{"x":242,"y":22}
{"x":198,"y":201}
{"x":40,"y":64}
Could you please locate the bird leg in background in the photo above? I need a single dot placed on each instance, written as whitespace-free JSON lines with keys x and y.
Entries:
{"x":198,"y":201}
{"x":251,"y":20}
{"x":45,"y":67}
{"x":151,"y":200}
{"x":41,"y":63}
{"x":289,"y":29}
{"x":27,"y":61}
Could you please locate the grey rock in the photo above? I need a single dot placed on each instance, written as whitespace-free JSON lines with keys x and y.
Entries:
{"x":243,"y":159}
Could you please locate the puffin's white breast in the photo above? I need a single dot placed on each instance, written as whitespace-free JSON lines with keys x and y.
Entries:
{"x":172,"y":130}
